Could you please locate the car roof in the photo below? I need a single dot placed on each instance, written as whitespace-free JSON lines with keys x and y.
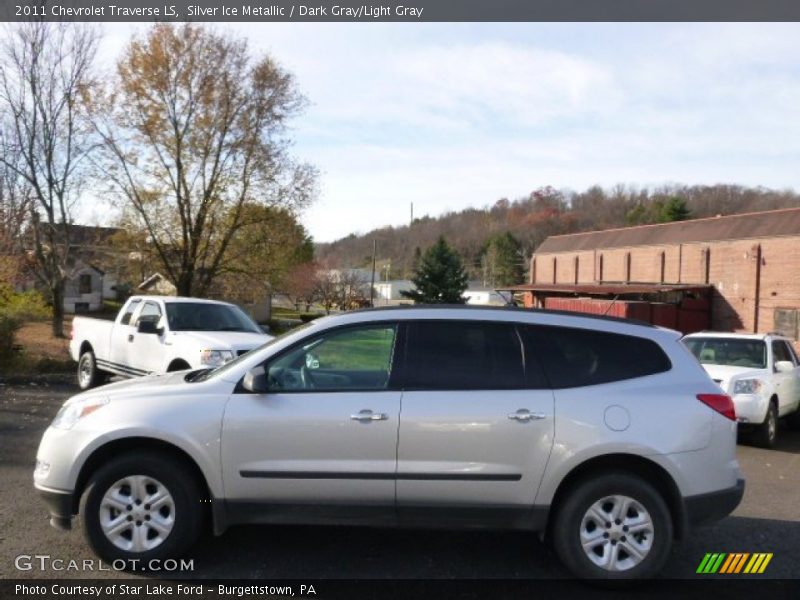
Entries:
{"x":171,"y":299}
{"x":500,"y":314}
{"x":510,"y":309}
{"x":737,"y":336}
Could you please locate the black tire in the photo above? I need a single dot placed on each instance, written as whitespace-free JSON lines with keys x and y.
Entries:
{"x":178,"y":365}
{"x":793,"y":420}
{"x":765,"y":435}
{"x":569,"y":524}
{"x":175,"y":477}
{"x":88,"y":374}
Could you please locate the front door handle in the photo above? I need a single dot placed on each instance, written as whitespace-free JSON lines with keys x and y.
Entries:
{"x":525,"y":415}
{"x":130,"y":337}
{"x":368,"y":415}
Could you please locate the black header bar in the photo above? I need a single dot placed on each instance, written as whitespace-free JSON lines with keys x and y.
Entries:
{"x":401,"y":10}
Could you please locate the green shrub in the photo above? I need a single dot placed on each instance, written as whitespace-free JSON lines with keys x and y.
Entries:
{"x":15,"y":309}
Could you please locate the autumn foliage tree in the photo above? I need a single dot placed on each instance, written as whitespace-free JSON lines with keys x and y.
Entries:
{"x":196,"y":137}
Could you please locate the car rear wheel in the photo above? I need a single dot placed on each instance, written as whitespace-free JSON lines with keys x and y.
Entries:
{"x":766,"y":434}
{"x":141,"y":507}
{"x":613,"y":526}
{"x":89,"y":375}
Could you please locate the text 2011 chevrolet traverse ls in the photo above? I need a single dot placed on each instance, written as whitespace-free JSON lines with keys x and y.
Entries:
{"x":606,"y":435}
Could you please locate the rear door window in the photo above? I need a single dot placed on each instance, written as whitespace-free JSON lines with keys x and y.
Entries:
{"x":574,"y":357}
{"x":463,"y":355}
{"x":129,"y":310}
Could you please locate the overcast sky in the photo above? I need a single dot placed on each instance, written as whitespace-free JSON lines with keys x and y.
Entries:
{"x":456,"y":115}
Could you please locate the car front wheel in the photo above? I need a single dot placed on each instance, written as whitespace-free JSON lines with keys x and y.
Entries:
{"x":613,"y":526}
{"x":142,"y":508}
{"x":766,"y":434}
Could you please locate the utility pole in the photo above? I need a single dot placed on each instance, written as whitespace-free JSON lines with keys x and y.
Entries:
{"x":372,"y":280}
{"x":412,"y":214}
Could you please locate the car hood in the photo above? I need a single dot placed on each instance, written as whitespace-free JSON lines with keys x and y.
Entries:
{"x":724,"y":374}
{"x":137,"y":384}
{"x":225,"y":340}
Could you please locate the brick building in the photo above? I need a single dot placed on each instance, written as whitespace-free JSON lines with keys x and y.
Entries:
{"x":746,"y":266}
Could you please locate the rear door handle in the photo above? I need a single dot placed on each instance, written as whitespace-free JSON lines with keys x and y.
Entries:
{"x":368,"y":415}
{"x":525,"y":415}
{"x":130,"y":337}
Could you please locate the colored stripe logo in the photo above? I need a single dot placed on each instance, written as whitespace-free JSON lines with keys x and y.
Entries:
{"x":734,"y":563}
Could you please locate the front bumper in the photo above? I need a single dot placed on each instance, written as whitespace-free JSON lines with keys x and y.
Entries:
{"x":750,"y":408}
{"x":705,"y":508}
{"x":60,"y":505}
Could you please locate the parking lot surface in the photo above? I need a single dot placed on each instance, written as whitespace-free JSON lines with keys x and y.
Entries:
{"x":768,"y":520}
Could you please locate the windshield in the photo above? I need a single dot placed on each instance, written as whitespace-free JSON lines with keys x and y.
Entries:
{"x":202,"y":376}
{"x":201,"y":316}
{"x":729,"y":351}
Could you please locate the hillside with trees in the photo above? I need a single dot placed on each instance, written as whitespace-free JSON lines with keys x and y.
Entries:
{"x":488,"y":239}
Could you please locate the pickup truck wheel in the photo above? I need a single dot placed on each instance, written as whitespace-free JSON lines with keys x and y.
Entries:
{"x":766,"y":434}
{"x":88,"y":374}
{"x":141,"y":507}
{"x":613,"y":526}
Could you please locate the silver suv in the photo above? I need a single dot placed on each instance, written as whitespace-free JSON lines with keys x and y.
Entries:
{"x":605,"y":436}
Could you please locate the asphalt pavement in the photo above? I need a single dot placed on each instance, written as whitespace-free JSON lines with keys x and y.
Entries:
{"x":768,"y":520}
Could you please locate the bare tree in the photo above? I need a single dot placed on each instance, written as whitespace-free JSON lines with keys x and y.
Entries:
{"x":196,"y":136}
{"x":15,"y":201}
{"x":45,"y":85}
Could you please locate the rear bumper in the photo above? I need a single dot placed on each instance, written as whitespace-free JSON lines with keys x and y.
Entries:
{"x":59,"y":504}
{"x":705,"y":508}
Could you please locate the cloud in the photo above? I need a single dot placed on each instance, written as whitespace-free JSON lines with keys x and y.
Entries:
{"x":457,"y":115}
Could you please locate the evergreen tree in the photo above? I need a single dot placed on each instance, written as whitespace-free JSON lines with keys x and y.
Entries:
{"x":674,"y":209}
{"x":440,"y":277}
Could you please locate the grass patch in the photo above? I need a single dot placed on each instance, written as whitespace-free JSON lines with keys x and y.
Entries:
{"x":365,"y":350}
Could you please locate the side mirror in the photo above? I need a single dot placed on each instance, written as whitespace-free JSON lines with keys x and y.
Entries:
{"x":255,"y":380}
{"x":150,"y":327}
{"x":264,"y":328}
{"x":784,"y":366}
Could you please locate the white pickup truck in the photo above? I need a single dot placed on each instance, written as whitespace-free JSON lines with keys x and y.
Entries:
{"x":157,"y":334}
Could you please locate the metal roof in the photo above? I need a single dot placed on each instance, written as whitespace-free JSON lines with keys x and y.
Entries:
{"x":763,"y":224}
{"x":607,"y":288}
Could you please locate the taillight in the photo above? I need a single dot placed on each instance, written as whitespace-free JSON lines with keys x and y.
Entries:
{"x":722,"y":403}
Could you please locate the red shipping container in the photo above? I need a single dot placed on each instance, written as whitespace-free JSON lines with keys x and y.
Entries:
{"x":664,"y":315}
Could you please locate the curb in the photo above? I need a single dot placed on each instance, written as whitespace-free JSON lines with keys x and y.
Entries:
{"x":38,"y":379}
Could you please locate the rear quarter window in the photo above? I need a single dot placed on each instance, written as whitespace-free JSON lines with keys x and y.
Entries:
{"x":573,"y":357}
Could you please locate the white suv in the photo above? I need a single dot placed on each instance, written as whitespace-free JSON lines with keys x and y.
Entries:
{"x":606,"y":436}
{"x":760,"y":371}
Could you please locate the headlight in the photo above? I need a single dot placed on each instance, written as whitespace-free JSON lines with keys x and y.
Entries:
{"x":72,"y":412}
{"x":747,"y":386}
{"x":215,"y":358}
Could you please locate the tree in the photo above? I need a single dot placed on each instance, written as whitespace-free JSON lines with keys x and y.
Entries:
{"x":196,"y":137}
{"x":15,"y":202}
{"x":270,"y":242}
{"x":300,"y":285}
{"x":502,"y":260}
{"x":46,"y":82}
{"x":440,"y":278}
{"x":674,"y":209}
